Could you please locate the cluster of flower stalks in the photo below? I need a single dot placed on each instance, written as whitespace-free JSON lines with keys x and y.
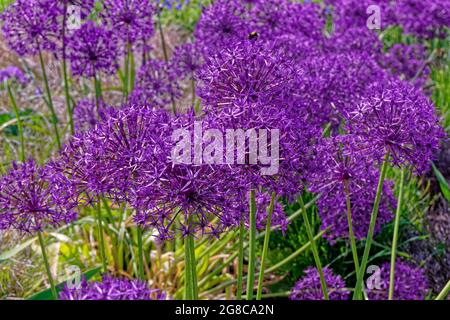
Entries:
{"x":346,"y":108}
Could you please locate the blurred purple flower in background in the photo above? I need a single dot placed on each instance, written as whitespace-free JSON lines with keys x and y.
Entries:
{"x":92,"y":50}
{"x":410,"y":283}
{"x":31,"y":199}
{"x":111,"y":289}
{"x":129,"y":20}
{"x":308,"y":287}
{"x":30,"y":26}
{"x":12,"y":73}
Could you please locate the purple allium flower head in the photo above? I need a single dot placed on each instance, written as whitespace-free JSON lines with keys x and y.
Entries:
{"x":249,"y":88}
{"x":275,"y":18}
{"x":246,"y":73}
{"x":333,"y":211}
{"x":336,"y":164}
{"x":30,"y":26}
{"x":86,"y":115}
{"x":31,"y":198}
{"x":355,"y":40}
{"x":111,"y":289}
{"x":410,"y":282}
{"x":220,"y":25}
{"x":331,"y":84}
{"x":393,"y":118}
{"x":14,"y":74}
{"x":156,"y":85}
{"x":424,"y":19}
{"x":130,"y":20}
{"x":309,"y":288}
{"x":196,"y":192}
{"x":354,"y":13}
{"x":187,"y":60}
{"x":92,"y":50}
{"x":406,"y":61}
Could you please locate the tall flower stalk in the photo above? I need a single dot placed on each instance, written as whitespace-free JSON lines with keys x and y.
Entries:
{"x":64,"y":67}
{"x":47,"y":267}
{"x":351,"y":234}
{"x":191,"y":286}
{"x":314,"y":250}
{"x":19,"y":121}
{"x":266,"y":245}
{"x":50,"y":101}
{"x":252,"y":247}
{"x":395,"y":236}
{"x":373,"y":219}
{"x":240,"y":270}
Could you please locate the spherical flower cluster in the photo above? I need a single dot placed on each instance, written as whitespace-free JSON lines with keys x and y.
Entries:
{"x":130,"y":20}
{"x":339,"y":171}
{"x":30,"y":26}
{"x":195,"y":191}
{"x":424,"y":19}
{"x":111,"y":289}
{"x":92,"y":50}
{"x":309,"y":288}
{"x":392,"y":119}
{"x":220,"y":25}
{"x":247,"y":73}
{"x":249,"y":88}
{"x":187,"y":60}
{"x":12,"y":73}
{"x":331,"y":84}
{"x":156,"y":85}
{"x":32,"y":198}
{"x":410,"y":283}
{"x":408,"y":62}
{"x":86,"y":115}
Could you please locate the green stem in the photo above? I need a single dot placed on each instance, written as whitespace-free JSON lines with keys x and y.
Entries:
{"x":395,"y":237}
{"x":240,"y":260}
{"x":252,"y":247}
{"x":265,"y":246}
{"x":140,"y":254}
{"x":98,"y":93}
{"x":269,"y":270}
{"x":50,"y":101}
{"x":127,"y":73}
{"x":191,"y":290}
{"x":314,"y":250}
{"x":47,"y":266}
{"x":19,"y":122}
{"x":101,"y":239}
{"x":373,"y":220}
{"x":64,"y":66}
{"x":166,"y":55}
{"x":350,"y":227}
{"x":444,"y":292}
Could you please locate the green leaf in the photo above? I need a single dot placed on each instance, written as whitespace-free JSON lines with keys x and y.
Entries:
{"x":12,"y":252}
{"x":442,"y":183}
{"x":47,"y":293}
